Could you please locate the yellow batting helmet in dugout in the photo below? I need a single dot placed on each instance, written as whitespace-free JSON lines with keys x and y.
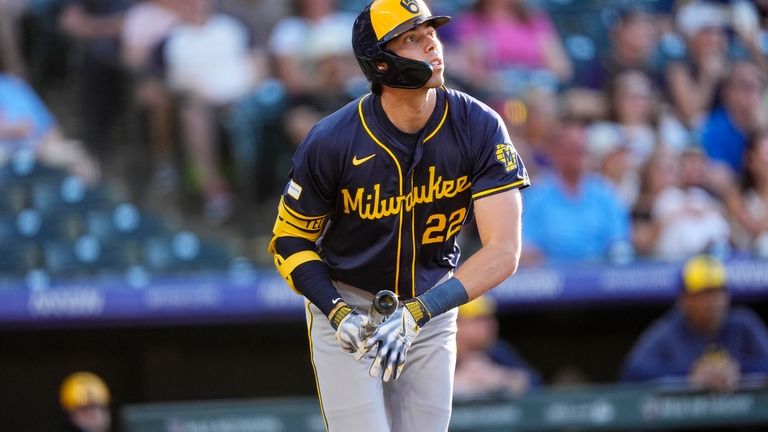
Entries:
{"x":702,"y":273}
{"x":83,"y":389}
{"x":380,"y":22}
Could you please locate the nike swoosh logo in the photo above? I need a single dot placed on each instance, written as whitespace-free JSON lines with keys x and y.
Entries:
{"x":336,"y":300}
{"x":356,"y":161}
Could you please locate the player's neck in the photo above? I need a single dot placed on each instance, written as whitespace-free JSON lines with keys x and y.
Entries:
{"x":408,"y":110}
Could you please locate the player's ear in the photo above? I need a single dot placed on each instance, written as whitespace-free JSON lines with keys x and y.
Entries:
{"x":382,"y":66}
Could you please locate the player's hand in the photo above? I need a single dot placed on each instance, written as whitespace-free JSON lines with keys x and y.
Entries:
{"x":716,"y":371}
{"x":394,"y":337}
{"x":350,"y":333}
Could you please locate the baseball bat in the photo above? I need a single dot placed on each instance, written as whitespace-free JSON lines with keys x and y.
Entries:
{"x":383,"y":305}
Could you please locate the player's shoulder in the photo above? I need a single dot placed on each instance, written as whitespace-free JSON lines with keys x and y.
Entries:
{"x":464,"y":100}
{"x":743,"y":315}
{"x":336,"y":128}
{"x":470,"y":105}
{"x":461,"y":98}
{"x":666,"y":328}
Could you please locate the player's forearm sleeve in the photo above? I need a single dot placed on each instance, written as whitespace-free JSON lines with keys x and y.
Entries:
{"x":311,"y":278}
{"x":442,"y":298}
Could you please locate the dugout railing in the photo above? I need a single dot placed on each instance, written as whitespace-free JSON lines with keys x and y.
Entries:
{"x":594,"y":408}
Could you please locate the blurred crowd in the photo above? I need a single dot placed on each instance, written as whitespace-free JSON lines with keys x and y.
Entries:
{"x":701,"y":342}
{"x":643,"y":124}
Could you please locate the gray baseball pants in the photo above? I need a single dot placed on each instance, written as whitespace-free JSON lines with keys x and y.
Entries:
{"x":352,"y":401}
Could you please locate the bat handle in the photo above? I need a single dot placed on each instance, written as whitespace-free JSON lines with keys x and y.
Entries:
{"x":385,"y":302}
{"x":383,"y":305}
{"x":374,"y":320}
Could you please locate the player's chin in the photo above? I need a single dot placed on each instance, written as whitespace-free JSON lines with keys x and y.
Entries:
{"x":437,"y":80}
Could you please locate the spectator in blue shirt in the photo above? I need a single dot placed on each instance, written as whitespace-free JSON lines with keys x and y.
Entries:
{"x":572,"y":214}
{"x":742,"y":112}
{"x":702,"y":343}
{"x":27,"y":124}
{"x":24,"y":118}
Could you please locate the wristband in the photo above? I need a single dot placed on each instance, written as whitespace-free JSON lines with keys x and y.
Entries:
{"x":339,"y":315}
{"x":443,"y":297}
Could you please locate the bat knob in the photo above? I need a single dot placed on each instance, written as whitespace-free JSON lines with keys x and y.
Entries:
{"x":385,"y":302}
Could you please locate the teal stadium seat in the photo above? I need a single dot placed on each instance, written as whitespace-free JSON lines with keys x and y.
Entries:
{"x":53,"y":224}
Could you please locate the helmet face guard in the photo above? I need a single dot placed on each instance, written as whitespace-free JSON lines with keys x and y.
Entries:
{"x":400,"y":71}
{"x":380,"y":22}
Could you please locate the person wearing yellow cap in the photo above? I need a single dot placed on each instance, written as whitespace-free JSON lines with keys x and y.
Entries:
{"x":85,"y":399}
{"x":703,"y":342}
{"x":486,"y":364}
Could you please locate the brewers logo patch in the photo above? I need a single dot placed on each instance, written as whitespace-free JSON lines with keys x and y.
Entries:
{"x":506,"y":155}
{"x":411,"y":5}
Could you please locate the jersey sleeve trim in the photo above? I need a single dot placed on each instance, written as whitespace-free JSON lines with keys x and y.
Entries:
{"x":290,"y":222}
{"x":517,"y":184}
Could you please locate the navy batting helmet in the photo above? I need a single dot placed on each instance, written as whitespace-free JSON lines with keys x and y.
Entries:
{"x":380,"y":22}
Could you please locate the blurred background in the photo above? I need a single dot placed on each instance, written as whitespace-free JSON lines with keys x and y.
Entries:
{"x":144,"y":145}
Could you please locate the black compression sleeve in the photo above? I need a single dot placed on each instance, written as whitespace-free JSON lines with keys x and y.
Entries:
{"x":312,"y":278}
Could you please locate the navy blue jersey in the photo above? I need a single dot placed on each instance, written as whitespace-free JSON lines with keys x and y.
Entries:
{"x":392,"y":212}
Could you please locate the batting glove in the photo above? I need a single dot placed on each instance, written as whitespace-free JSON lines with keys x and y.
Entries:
{"x":350,"y":333}
{"x":395,"y":337}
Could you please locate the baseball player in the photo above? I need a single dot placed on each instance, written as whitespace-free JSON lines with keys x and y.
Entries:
{"x":378,"y":193}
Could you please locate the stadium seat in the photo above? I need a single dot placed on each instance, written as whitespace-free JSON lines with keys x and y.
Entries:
{"x":53,"y":226}
{"x":13,"y":197}
{"x":60,"y":259}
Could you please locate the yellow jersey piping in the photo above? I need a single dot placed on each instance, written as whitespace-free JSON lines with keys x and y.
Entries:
{"x":413,"y":215}
{"x":498,"y":189}
{"x":301,"y":216}
{"x":400,"y":181}
{"x":439,"y":125}
{"x":413,"y":246}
